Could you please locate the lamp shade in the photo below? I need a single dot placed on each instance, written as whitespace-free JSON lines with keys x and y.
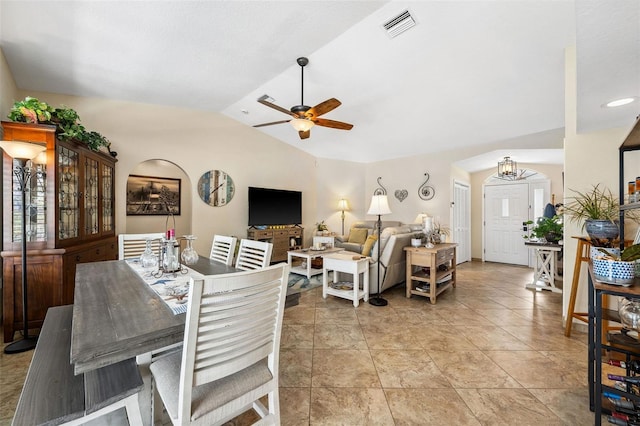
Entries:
{"x":379,"y":205}
{"x":343,"y":204}
{"x":22,"y":150}
{"x":302,"y":124}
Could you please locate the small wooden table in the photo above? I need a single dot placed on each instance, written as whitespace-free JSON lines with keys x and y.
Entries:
{"x":349,"y":263}
{"x":544,"y":274}
{"x":420,"y":258}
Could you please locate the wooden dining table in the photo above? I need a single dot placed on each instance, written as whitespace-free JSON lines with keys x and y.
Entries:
{"x":117,"y":316}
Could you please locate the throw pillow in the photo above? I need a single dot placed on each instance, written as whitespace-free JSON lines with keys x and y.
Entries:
{"x":358,"y":235}
{"x":368,"y":245}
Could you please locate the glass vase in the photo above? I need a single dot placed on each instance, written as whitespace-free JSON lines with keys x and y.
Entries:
{"x":148,"y":259}
{"x":189,"y":255}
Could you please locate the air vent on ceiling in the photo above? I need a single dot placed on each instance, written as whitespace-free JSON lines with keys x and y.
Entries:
{"x":399,"y":24}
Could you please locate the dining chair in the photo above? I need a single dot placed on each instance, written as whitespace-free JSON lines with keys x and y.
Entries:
{"x":131,"y":246}
{"x":223,"y":249}
{"x":231,"y":349}
{"x":253,"y":254}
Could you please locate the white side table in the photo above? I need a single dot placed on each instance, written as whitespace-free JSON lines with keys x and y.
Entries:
{"x":350,"y":264}
{"x":544,"y":274}
{"x":328,"y":241}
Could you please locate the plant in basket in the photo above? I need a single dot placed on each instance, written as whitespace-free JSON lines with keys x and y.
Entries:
{"x":612,"y":266}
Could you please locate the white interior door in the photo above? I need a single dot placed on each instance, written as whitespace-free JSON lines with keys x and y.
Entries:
{"x":461,"y":228}
{"x":506,"y":207}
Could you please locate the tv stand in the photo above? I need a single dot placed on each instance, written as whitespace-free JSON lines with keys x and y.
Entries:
{"x":281,"y":238}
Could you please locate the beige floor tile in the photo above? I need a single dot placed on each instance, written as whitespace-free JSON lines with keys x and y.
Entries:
{"x":300,"y":315}
{"x":490,"y":338}
{"x":343,"y":368}
{"x":296,"y":337}
{"x":295,"y":367}
{"x":438,"y":338}
{"x":429,"y":407}
{"x":349,"y":406}
{"x":532,"y":369}
{"x":391,"y":336}
{"x":336,"y":315}
{"x":339,"y":336}
{"x":294,"y":406}
{"x":508,"y":407}
{"x":503,"y":317}
{"x":570,"y":405}
{"x":463,"y":316}
{"x":539,"y":338}
{"x":472,"y":369}
{"x":407,"y":369}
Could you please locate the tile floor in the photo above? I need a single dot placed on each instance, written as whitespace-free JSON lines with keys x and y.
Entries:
{"x":489,"y":352}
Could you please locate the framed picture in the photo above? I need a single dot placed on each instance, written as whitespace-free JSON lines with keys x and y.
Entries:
{"x":151,"y":195}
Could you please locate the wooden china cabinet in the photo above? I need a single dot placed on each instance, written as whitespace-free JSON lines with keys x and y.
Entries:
{"x":70,"y":220}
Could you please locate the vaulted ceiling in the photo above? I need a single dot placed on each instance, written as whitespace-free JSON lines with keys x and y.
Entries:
{"x":468,"y":73}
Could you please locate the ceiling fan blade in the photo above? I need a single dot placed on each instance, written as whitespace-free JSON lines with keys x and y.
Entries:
{"x":272,"y":123}
{"x":333,"y":124}
{"x":304,"y":135}
{"x":263,"y":100}
{"x":323,"y":108}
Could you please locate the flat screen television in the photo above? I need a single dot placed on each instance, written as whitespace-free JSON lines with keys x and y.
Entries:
{"x":274,"y":207}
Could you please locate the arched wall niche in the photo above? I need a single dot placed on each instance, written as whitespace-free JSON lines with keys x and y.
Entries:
{"x":142,"y":224}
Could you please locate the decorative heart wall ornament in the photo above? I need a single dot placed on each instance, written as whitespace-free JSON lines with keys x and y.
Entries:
{"x":401,"y":194}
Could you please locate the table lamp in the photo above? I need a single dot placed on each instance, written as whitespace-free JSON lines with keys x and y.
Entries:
{"x":343,"y":205}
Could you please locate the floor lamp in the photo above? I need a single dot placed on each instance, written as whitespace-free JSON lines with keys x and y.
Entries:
{"x":23,"y":152}
{"x":343,"y":205}
{"x":379,"y":206}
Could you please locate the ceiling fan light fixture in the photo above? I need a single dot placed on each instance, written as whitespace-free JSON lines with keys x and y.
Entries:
{"x":302,"y":124}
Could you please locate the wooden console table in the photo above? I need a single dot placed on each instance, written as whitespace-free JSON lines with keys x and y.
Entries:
{"x":420,"y":258}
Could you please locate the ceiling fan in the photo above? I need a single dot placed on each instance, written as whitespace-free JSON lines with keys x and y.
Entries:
{"x":305,"y":117}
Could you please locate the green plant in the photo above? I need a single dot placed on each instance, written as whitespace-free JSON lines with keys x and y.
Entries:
{"x":321,"y":226}
{"x":67,"y":121}
{"x":596,"y":204}
{"x":549,"y":228}
{"x":438,"y":228}
{"x":628,"y":254}
{"x":30,"y":110}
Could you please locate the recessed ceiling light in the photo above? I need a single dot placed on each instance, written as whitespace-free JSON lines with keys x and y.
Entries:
{"x":244,"y":111}
{"x":619,"y":102}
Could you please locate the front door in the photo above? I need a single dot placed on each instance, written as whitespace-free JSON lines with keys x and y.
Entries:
{"x":506,"y":207}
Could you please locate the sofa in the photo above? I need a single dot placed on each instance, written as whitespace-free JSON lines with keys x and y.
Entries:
{"x":356,"y":245}
{"x":394,"y":238}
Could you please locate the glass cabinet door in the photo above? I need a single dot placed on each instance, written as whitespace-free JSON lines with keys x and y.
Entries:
{"x":68,"y":195}
{"x":91,"y":198}
{"x":35,"y":204}
{"x":108,"y":218}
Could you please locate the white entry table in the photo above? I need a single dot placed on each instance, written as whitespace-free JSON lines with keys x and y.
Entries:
{"x":544,"y":274}
{"x":350,"y":263}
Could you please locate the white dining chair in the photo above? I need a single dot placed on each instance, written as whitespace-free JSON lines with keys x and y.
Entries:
{"x":253,"y":254}
{"x":131,"y":246}
{"x":223,"y":249}
{"x":231,"y":349}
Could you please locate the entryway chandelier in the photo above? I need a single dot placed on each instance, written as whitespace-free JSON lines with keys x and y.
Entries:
{"x":508,"y":170}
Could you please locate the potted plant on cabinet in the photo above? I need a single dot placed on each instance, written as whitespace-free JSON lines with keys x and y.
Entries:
{"x":67,"y":121}
{"x":599,"y":212}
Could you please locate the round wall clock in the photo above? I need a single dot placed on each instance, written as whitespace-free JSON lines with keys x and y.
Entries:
{"x":216,"y":188}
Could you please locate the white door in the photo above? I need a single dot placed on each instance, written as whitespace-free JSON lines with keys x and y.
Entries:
{"x":506,"y":207}
{"x":461,"y":229}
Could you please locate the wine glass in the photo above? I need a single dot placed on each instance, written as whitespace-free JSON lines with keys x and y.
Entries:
{"x":148,"y":259}
{"x":189,"y":255}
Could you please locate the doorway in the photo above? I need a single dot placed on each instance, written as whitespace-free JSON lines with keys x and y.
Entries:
{"x":461,"y":228}
{"x":507,"y":206}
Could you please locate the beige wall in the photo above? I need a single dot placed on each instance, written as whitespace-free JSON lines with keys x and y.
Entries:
{"x":8,"y":89}
{"x":196,"y":141}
